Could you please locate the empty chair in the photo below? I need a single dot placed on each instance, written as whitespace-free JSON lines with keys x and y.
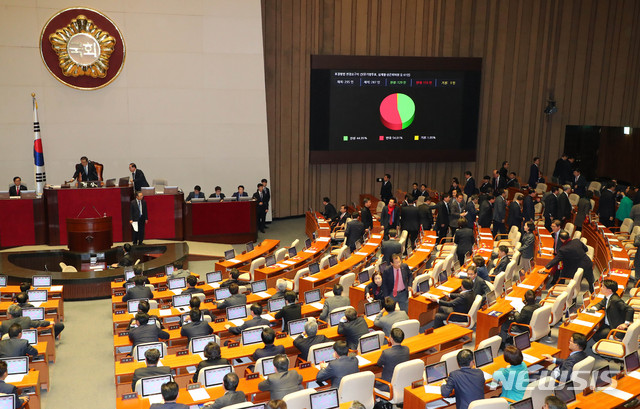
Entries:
{"x":574,"y":199}
{"x":493,"y":342}
{"x":490,"y":403}
{"x":610,"y":347}
{"x":299,"y":399}
{"x":625,"y":229}
{"x":67,"y":269}
{"x":280,"y":254}
{"x":357,"y":386}
{"x":411,"y":328}
{"x":470,"y":317}
{"x":569,"y":228}
{"x":404,"y":375}
{"x":577,"y":235}
{"x":159,"y":184}
{"x":590,"y":250}
{"x":540,"y":189}
{"x":257,"y":263}
{"x":557,"y":308}
{"x":582,"y":370}
{"x":499,"y":284}
{"x":294,"y":243}
{"x":303,"y":272}
{"x":539,"y":390}
{"x":379,"y":208}
{"x":594,"y":186}
{"x":324,"y":261}
{"x":451,"y":358}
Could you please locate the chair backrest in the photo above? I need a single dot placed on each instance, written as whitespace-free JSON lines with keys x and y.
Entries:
{"x":324,"y":261}
{"x":590,"y":250}
{"x":341,"y":252}
{"x":572,"y":291}
{"x":437,"y":269}
{"x":303,"y":272}
{"x":258,"y":365}
{"x":577,"y":277}
{"x":257,"y":263}
{"x":537,"y":208}
{"x":217,"y":340}
{"x":240,"y":405}
{"x":574,"y":199}
{"x":557,"y":308}
{"x":540,"y":322}
{"x":199,"y":296}
{"x":411,"y":328}
{"x":99,"y":169}
{"x":630,"y":339}
{"x":448,"y":262}
{"x":538,"y":390}
{"x":516,"y":238}
{"x":594,"y":186}
{"x":357,"y":386}
{"x":512,"y":233}
{"x":153,"y":304}
{"x":451,"y":359}
{"x":473,"y":311}
{"x":347,"y":281}
{"x":499,"y":283}
{"x":280,"y":253}
{"x":577,"y":235}
{"x":134,"y":352}
{"x":582,"y":371}
{"x":493,"y":342}
{"x":489,"y":403}
{"x":404,"y":375}
{"x":381,"y":338}
{"x":379,"y":208}
{"x":295,"y":243}
{"x":299,"y":399}
{"x":419,"y":279}
{"x":511,"y":269}
{"x":318,"y":346}
{"x":541,"y":188}
{"x":569,"y":228}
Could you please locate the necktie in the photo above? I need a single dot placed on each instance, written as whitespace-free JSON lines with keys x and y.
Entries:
{"x":86,"y":170}
{"x":261,"y":196}
{"x":133,"y":175}
{"x":398,"y":285}
{"x":140,"y":207}
{"x":391,"y":218}
{"x":18,"y":190}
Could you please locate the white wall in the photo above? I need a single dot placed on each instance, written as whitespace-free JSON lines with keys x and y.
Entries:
{"x":189,"y":105}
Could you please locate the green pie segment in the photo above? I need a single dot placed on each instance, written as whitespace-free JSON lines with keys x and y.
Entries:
{"x":397,"y":111}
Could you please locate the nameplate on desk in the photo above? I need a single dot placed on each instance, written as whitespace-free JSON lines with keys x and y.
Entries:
{"x":120,"y":312}
{"x":218,"y":320}
{"x":180,"y":353}
{"x":124,"y":334}
{"x":428,"y":331}
{"x":252,"y":376}
{"x":495,"y":313}
{"x":322,"y":325}
{"x":128,"y":396}
{"x":281,"y":335}
{"x":208,"y":300}
{"x":165,"y":307}
{"x":161,"y":289}
{"x":119,"y":294}
{"x":160,"y":275}
{"x":233,"y":344}
{"x":172,"y":327}
{"x":193,"y":386}
{"x":305,"y":365}
{"x":119,"y":280}
{"x":38,"y":358}
{"x":126,"y":360}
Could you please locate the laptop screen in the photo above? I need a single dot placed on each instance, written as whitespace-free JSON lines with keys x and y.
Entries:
{"x":335,"y":317}
{"x":508,"y":285}
{"x":369,"y":343}
{"x":142,"y":348}
{"x":128,"y":274}
{"x":222,"y":293}
{"x":17,"y":365}
{"x":214,"y":376}
{"x":565,"y":392}
{"x":249,"y":246}
{"x":442,"y":277}
{"x":423,"y":287}
{"x":276,"y":304}
{"x":168,"y":269}
{"x":314,"y":268}
{"x":292,"y":252}
{"x":523,"y":404}
{"x":297,"y":326}
{"x":267,"y":367}
{"x":436,"y":372}
{"x":312,"y":296}
{"x":181,"y":300}
{"x":41,"y":281}
{"x":483,"y":356}
{"x":129,"y":285}
{"x":176,"y":283}
{"x":602,"y":376}
{"x":491,"y":298}
{"x":258,"y":286}
{"x":333,"y":260}
{"x":3,"y":281}
{"x":214,"y":277}
{"x":307,"y":243}
{"x":372,"y":308}
{"x":7,"y":401}
{"x":36,"y":314}
{"x":236,"y":312}
{"x":37,"y":295}
{"x":152,"y":385}
{"x":363,"y":276}
{"x":270,"y":260}
{"x":229,"y":254}
{"x":323,"y":355}
{"x":251,"y":336}
{"x":258,"y":406}
{"x":358,"y":244}
{"x":522,"y":341}
{"x":325,"y":399}
{"x":198,"y":343}
{"x":631,"y":362}
{"x":30,"y":335}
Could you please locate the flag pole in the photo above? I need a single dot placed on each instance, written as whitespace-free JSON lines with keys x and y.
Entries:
{"x":38,"y":155}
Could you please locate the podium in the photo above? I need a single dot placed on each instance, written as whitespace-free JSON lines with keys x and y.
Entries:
{"x":90,"y":235}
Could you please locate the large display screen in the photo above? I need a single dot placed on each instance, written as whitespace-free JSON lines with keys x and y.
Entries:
{"x":393,"y":109}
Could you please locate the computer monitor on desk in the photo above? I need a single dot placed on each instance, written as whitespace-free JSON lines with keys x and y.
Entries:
{"x":222,"y":293}
{"x":123,"y":182}
{"x":631,"y":362}
{"x":236,"y":312}
{"x":523,"y":404}
{"x":214,"y":277}
{"x":251,"y":336}
{"x":152,"y":385}
{"x":30,"y":335}
{"x":267,"y":367}
{"x":17,"y":365}
{"x":41,"y":281}
{"x":8,"y":401}
{"x":37,"y":295}
{"x":276,"y":304}
{"x":436,"y":372}
{"x":325,"y":399}
{"x":132,"y":305}
{"x":324,"y":354}
{"x":142,"y":348}
{"x":566,"y":392}
{"x":369,"y":343}
{"x":36,"y":314}
{"x":335,"y":317}
{"x":314,"y":268}
{"x":199,"y":343}
{"x":128,"y":273}
{"x":372,"y":308}
{"x":168,"y":269}
{"x":522,"y":341}
{"x":296,"y":326}
{"x":229,"y":254}
{"x":249,"y":246}
{"x":312,"y":296}
{"x":181,"y":300}
{"x":213,"y":376}
{"x":258,"y":286}
{"x":3,"y":281}
{"x":270,"y":260}
{"x":176,"y":283}
{"x":483,"y":357}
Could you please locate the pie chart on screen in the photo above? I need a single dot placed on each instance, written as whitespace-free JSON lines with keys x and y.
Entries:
{"x":397,"y":111}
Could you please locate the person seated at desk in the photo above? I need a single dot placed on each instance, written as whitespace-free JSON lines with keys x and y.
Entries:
{"x":291,"y":311}
{"x":179,"y":271}
{"x":213,"y":358}
{"x":240,"y":192}
{"x":309,"y":338}
{"x":137,"y":272}
{"x":85,"y":170}
{"x":126,"y":260}
{"x":268,"y":338}
{"x":231,"y":395}
{"x":196,"y":194}
{"x":500,"y":262}
{"x":196,"y":327}
{"x":15,"y":346}
{"x":8,"y":389}
{"x":234,"y":299}
{"x":17,"y":187}
{"x":22,"y":302}
{"x":255,"y":321}
{"x":552,"y":402}
{"x":284,"y":381}
{"x":564,"y":367}
{"x":281,"y":288}
{"x":330,"y":211}
{"x":169,"y":391}
{"x":462,"y":304}
{"x":481,"y":268}
{"x":276,"y":404}
{"x":139,"y":290}
{"x":15,"y":312}
{"x":617,"y":314}
{"x":331,"y":303}
{"x":389,"y":316}
{"x":514,"y":378}
{"x":468,"y":381}
{"x":391,"y":357}
{"x":143,"y":307}
{"x":522,"y":317}
{"x":373,"y":290}
{"x":145,"y":333}
{"x":218,"y":195}
{"x":480,"y":286}
{"x":235,"y":278}
{"x":340,"y":367}
{"x":151,"y":358}
{"x":195,"y":302}
{"x":192,"y":281}
{"x":352,"y":327}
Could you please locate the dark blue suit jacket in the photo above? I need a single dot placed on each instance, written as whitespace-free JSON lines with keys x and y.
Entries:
{"x":337,"y":369}
{"x":468,"y":384}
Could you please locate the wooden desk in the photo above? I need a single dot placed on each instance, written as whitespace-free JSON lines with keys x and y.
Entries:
{"x":602,"y":400}
{"x":424,"y":309}
{"x":52,"y":310}
{"x":315,"y":223}
{"x":263,"y":249}
{"x":220,"y":222}
{"x":30,"y":385}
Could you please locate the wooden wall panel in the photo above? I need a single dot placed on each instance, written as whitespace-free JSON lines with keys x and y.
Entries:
{"x":586,"y":53}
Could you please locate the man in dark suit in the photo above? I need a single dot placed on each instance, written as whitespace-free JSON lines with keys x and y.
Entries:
{"x":468,"y":381}
{"x":365,"y":214}
{"x":470,"y":209}
{"x":330,"y":211}
{"x":192,"y":281}
{"x":396,"y":282}
{"x":515,"y":212}
{"x":127,"y":259}
{"x":551,"y":207}
{"x":231,"y":395}
{"x":217,"y":195}
{"x":410,"y":221}
{"x":559,"y":169}
{"x":390,"y":217}
{"x":556,"y":229}
{"x":618,"y":314}
{"x":284,"y":381}
{"x":534,"y":170}
{"x":529,"y":206}
{"x":456,"y":210}
{"x":331,"y":303}
{"x":291,"y":311}
{"x":262,"y":198}
{"x":196,"y":194}
{"x":143,"y":307}
{"x":354,"y":231}
{"x":352,"y":327}
{"x":564,"y":205}
{"x":480,"y":286}
{"x":607,"y":205}
{"x":425,"y":213}
{"x":464,"y":240}
{"x":485,"y":214}
{"x":169,"y":391}
{"x":195,"y":328}
{"x":522,"y":317}
{"x":423,"y":191}
{"x":145,"y":333}
{"x":151,"y":358}
{"x":137,"y":177}
{"x":390,"y":247}
{"x":340,"y":367}
{"x":240,"y":192}
{"x":139,"y":290}
{"x":579,"y":183}
{"x":501,"y":261}
{"x":8,"y":389}
{"x":234,"y":299}
{"x":486,"y":184}
{"x":442,"y":219}
{"x":255,"y":321}
{"x":564,"y":367}
{"x":389,"y":316}
{"x":139,"y":215}
{"x":85,"y":171}
{"x":391,"y":357}
{"x":17,"y":187}
{"x":386,"y":190}
{"x":415,"y":192}
{"x":268,"y":338}
{"x":461,"y":304}
{"x":499,"y":181}
{"x":309,"y":338}
{"x":469,"y":184}
{"x":573,"y":254}
{"x":512,"y":181}
{"x":499,"y":212}
{"x":15,"y":346}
